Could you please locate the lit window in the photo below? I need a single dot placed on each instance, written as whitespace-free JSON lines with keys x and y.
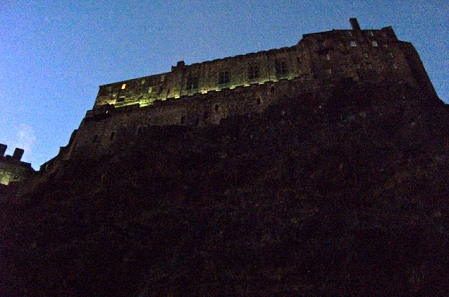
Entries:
{"x":123,"y":86}
{"x":365,"y":55}
{"x":142,"y":82}
{"x":374,"y":43}
{"x":329,"y":71}
{"x":253,"y":71}
{"x":353,"y":43}
{"x":223,"y":77}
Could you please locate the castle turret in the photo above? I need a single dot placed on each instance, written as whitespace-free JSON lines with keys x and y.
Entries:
{"x":18,"y":153}
{"x":3,"y":148}
{"x":11,"y":168}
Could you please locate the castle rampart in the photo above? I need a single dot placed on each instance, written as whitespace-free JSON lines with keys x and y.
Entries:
{"x":12,"y":169}
{"x":327,"y":57}
{"x":204,"y":93}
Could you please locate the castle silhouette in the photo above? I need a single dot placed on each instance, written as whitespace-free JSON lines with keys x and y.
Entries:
{"x":204,"y":93}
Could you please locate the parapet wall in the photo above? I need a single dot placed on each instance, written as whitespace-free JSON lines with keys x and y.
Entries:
{"x":99,"y":132}
{"x":12,"y":169}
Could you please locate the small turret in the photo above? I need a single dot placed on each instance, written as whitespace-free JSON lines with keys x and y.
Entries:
{"x":18,"y":153}
{"x":3,"y":148}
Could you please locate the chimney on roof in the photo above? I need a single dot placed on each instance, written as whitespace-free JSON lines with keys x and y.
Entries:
{"x":355,"y":24}
{"x":2,"y":149}
{"x":18,"y":153}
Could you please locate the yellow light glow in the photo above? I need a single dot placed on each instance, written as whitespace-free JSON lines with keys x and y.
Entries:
{"x":123,"y":86}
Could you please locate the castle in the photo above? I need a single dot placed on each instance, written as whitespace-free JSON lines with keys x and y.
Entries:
{"x":12,"y":169}
{"x":204,"y":93}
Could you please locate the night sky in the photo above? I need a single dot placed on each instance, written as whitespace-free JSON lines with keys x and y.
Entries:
{"x":55,"y":54}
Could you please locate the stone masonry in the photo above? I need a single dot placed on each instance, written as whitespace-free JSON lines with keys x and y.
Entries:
{"x":204,"y":93}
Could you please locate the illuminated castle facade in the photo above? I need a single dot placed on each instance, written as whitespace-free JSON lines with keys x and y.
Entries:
{"x":204,"y":93}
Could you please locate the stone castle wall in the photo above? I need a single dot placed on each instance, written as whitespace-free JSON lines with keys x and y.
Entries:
{"x":101,"y":130}
{"x":326,"y":57}
{"x":12,"y":169}
{"x":204,"y":93}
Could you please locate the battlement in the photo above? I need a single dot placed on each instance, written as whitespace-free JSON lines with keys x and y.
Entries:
{"x":12,"y":169}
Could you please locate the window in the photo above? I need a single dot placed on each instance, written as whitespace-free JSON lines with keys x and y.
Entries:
{"x":353,"y":43}
{"x":253,"y":71}
{"x":374,"y":43}
{"x":365,"y":55}
{"x":370,"y":66}
{"x":357,"y":66}
{"x":329,"y":71}
{"x":281,"y":67}
{"x":192,"y":82}
{"x":223,"y":77}
{"x":123,"y":86}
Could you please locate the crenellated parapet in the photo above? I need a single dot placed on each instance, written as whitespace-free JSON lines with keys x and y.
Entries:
{"x":12,"y":169}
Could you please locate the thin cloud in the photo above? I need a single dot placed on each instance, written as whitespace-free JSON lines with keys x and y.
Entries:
{"x":26,"y":137}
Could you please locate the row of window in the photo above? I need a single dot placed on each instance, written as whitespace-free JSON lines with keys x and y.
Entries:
{"x":353,"y":43}
{"x":327,"y":57}
{"x":224,"y":77}
{"x":253,"y":71}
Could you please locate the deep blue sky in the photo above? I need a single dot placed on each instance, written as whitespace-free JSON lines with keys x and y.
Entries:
{"x":55,"y":54}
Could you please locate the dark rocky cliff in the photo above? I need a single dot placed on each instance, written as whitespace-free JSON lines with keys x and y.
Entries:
{"x":343,"y":197}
